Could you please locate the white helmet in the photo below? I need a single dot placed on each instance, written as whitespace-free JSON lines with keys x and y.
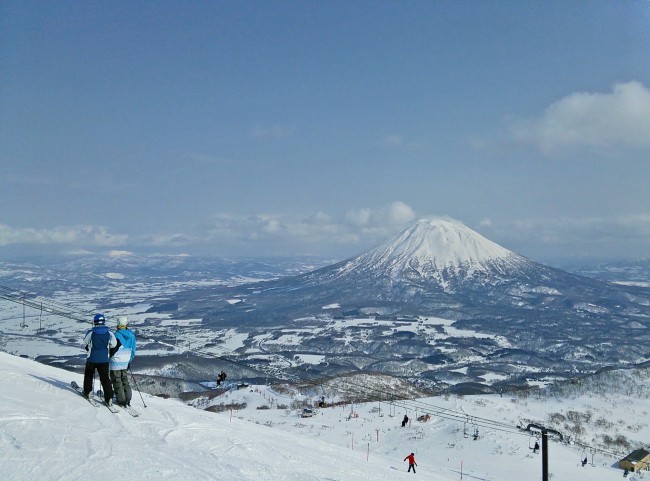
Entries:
{"x":122,"y":321}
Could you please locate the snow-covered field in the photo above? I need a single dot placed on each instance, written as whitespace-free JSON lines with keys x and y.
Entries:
{"x":34,"y":333}
{"x":49,"y":433}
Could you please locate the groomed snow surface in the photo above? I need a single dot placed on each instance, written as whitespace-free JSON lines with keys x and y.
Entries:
{"x":49,"y":433}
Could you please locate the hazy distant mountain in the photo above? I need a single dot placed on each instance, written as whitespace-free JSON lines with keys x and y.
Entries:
{"x":88,"y":271}
{"x":629,"y":271}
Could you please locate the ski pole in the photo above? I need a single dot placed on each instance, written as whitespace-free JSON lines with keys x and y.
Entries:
{"x":136,"y":386}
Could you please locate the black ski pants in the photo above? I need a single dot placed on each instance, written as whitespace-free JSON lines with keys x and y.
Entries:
{"x":89,"y":375}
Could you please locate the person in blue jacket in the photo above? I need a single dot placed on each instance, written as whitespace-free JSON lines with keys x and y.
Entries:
{"x":98,"y":341}
{"x":121,"y":361}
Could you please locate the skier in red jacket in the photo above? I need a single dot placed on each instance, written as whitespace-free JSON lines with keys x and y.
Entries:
{"x":412,"y":463}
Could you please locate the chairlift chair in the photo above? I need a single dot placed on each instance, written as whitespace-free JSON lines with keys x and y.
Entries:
{"x":532,"y":441}
{"x":583,"y":456}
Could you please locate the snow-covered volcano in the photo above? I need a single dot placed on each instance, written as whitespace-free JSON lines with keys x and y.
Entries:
{"x":435,"y":266}
{"x":441,"y":242}
{"x":440,"y":250}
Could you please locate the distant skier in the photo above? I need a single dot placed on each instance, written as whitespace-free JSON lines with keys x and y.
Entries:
{"x":405,"y":420}
{"x":584,"y":462}
{"x":221,"y":378}
{"x":412,"y":463}
{"x":122,"y":356}
{"x":98,"y":341}
{"x":536,"y":447}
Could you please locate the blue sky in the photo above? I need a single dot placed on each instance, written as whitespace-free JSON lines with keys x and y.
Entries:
{"x":304,"y":127}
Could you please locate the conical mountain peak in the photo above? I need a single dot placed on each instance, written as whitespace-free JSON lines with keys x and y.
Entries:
{"x":437,"y":249}
{"x":443,"y":242}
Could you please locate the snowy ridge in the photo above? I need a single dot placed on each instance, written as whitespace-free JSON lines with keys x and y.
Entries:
{"x":49,"y":433}
{"x":436,"y":249}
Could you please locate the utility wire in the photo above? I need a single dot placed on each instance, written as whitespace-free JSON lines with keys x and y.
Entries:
{"x":47,"y":306}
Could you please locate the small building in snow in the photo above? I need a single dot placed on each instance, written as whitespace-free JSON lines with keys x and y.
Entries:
{"x":635,"y":461}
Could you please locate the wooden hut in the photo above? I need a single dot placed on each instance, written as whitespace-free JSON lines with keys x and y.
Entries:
{"x":635,"y":461}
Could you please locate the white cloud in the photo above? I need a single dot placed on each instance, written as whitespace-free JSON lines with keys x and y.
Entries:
{"x":575,"y":237}
{"x":319,"y":218}
{"x":117,"y":253}
{"x":361,"y":226}
{"x":591,"y":229}
{"x":229,"y":234}
{"x":354,"y":232}
{"x":168,"y":240}
{"x":395,"y":214}
{"x":371,"y":227}
{"x":398,"y":213}
{"x":78,"y":252}
{"x":84,"y":234}
{"x":358,"y":217}
{"x":582,"y":119}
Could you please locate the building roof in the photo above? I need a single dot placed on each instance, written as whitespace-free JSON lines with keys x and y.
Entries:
{"x":636,"y":455}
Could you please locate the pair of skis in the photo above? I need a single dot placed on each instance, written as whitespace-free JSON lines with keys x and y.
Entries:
{"x":97,"y":404}
{"x":91,"y":399}
{"x":128,"y":409}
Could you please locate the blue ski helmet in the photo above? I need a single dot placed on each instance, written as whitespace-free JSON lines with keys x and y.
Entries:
{"x":99,"y":320}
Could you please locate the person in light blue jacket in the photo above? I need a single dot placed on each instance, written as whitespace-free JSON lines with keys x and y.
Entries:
{"x":121,"y":361}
